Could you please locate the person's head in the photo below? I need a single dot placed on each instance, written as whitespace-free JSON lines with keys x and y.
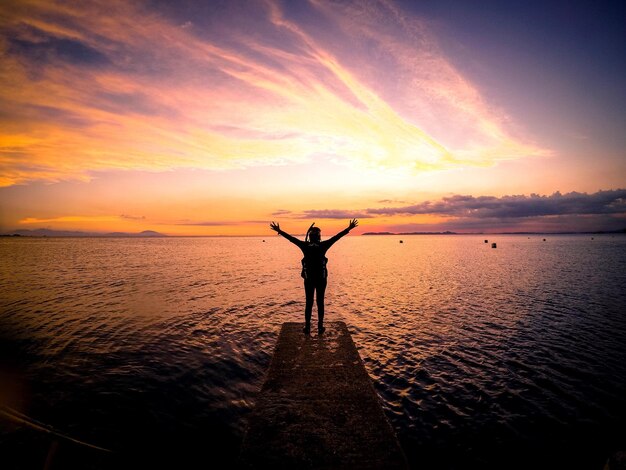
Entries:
{"x":315,"y":234}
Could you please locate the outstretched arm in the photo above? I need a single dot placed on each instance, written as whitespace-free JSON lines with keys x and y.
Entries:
{"x":276,"y":227}
{"x":353,"y":223}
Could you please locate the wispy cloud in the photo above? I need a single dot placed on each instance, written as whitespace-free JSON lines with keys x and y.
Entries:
{"x":122,"y":85}
{"x":216,"y":223}
{"x":389,"y":201}
{"x":333,"y":214}
{"x":69,"y":218}
{"x":203,"y":223}
{"x":281,"y":212}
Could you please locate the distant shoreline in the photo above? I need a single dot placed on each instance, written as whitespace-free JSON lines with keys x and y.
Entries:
{"x":49,"y":233}
{"x":599,"y":232}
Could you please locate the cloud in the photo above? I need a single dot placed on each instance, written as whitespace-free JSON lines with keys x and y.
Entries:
{"x":388,"y":201}
{"x":134,"y":102}
{"x":520,"y":206}
{"x":281,"y":212}
{"x":49,"y":49}
{"x":79,"y":219}
{"x":125,"y":85}
{"x":603,"y":210}
{"x":216,"y":223}
{"x":132,"y":217}
{"x":322,"y":214}
{"x":69,"y":218}
{"x":333,"y":214}
{"x":203,"y":223}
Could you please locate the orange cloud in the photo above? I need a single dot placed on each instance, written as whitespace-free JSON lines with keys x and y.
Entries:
{"x":68,"y":218}
{"x":113,"y":85}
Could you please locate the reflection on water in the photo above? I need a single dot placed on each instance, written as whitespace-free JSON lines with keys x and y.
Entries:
{"x":481,"y":356}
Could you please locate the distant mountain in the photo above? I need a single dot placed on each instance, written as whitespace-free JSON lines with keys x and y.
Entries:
{"x":151,"y":233}
{"x":46,"y":232}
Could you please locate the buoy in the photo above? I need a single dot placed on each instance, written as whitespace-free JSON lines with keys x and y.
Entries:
{"x":493,"y":245}
{"x":592,"y":238}
{"x":544,"y":239}
{"x":263,"y":241}
{"x":486,"y":241}
{"x":401,"y":241}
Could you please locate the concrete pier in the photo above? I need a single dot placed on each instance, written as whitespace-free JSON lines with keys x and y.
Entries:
{"x":318,"y":408}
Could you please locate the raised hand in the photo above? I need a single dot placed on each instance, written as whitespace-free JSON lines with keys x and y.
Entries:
{"x":353,"y":223}
{"x":274,"y":226}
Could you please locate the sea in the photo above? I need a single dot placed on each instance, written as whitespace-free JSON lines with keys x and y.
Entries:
{"x":154,"y":349}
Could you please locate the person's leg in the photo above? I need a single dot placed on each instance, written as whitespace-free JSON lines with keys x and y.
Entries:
{"x":321,"y":289}
{"x":309,"y":289}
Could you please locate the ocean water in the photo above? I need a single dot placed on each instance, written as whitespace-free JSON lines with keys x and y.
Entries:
{"x":513,"y":357}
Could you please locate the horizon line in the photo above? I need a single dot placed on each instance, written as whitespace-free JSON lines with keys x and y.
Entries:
{"x":369,"y":234}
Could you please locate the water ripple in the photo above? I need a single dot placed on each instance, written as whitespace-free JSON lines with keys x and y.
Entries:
{"x":476,"y":354}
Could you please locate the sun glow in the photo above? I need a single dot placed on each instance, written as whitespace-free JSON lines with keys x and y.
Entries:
{"x":263,"y":103}
{"x":214,"y":119}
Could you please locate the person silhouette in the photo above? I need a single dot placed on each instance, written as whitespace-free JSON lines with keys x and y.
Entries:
{"x":314,"y":269}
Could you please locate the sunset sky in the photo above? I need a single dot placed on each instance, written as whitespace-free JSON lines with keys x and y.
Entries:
{"x":214,"y":118}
